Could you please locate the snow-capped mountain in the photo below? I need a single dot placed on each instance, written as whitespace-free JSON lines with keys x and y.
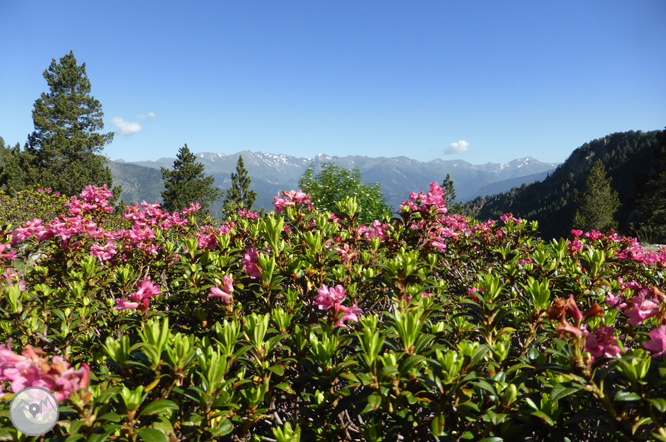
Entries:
{"x":272,"y":173}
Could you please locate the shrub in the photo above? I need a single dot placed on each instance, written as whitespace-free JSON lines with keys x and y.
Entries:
{"x":303,"y":325}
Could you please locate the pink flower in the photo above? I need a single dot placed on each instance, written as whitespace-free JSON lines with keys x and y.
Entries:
{"x":614,"y":301}
{"x":602,"y":343}
{"x":328,"y":298}
{"x":576,"y":233}
{"x":657,"y":342}
{"x":250,"y":263}
{"x":30,"y":370}
{"x":11,"y":255}
{"x":642,"y":310}
{"x":349,"y":314}
{"x":122,"y":304}
{"x":104,"y":252}
{"x":139,"y":299}
{"x":225,"y":292}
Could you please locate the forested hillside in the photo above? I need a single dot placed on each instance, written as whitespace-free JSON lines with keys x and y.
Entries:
{"x":628,"y":159}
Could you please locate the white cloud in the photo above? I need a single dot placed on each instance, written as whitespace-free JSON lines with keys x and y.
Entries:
{"x":457,"y":148}
{"x":150,"y":116}
{"x":126,"y":128}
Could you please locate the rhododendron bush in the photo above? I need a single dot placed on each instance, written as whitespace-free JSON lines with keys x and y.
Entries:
{"x":305,"y":326}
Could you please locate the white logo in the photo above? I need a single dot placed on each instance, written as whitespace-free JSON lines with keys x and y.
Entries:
{"x":34,"y":411}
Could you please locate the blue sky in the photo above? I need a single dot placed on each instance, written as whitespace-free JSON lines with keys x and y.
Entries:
{"x":485,"y":81}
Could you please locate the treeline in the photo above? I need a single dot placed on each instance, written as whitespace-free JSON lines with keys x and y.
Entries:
{"x":630,"y":163}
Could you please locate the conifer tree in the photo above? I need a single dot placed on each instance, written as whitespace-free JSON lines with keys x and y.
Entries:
{"x":63,"y":152}
{"x":652,"y":195}
{"x":450,"y":197}
{"x":239,"y":195}
{"x":598,"y":203}
{"x":187,"y":184}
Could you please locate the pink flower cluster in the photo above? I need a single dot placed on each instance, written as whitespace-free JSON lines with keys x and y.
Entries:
{"x":94,"y":200}
{"x":645,"y":304}
{"x":290,"y":199}
{"x":374,"y":230}
{"x":330,"y":299}
{"x":30,"y":370}
{"x":225,"y":292}
{"x":140,"y":299}
{"x":602,"y":343}
{"x":250,"y":263}
{"x":509,"y":217}
{"x":209,"y":238}
{"x":423,"y":202}
{"x":247,"y":214}
{"x":152,"y":215}
{"x":346,"y":253}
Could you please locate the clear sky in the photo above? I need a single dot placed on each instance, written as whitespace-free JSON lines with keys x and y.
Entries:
{"x":476,"y":80}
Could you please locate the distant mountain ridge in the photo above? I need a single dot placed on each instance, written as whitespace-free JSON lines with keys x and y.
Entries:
{"x":628,"y":159}
{"x":272,"y":173}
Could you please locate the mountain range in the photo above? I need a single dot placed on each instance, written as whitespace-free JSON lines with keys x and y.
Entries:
{"x":271,"y":174}
{"x":629,"y":161}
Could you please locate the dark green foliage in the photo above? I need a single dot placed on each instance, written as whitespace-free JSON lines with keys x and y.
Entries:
{"x":598,"y":204}
{"x":333,"y":183}
{"x":11,"y":175}
{"x":450,"y":197}
{"x":187,"y":184}
{"x":652,"y":190}
{"x":63,"y":153}
{"x":551,"y":202}
{"x":239,"y":195}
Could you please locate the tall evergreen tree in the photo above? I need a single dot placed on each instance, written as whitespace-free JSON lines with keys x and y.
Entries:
{"x":450,"y":197}
{"x":63,"y":152}
{"x":11,"y":174}
{"x":652,"y":195}
{"x":598,"y":203}
{"x":239,"y":195}
{"x":187,"y":184}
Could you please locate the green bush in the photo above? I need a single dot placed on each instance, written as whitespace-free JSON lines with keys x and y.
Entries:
{"x":303,"y":326}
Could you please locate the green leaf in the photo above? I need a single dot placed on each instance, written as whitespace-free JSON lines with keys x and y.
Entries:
{"x":559,"y":392}
{"x":111,"y":417}
{"x":623,"y":396}
{"x":151,"y":435}
{"x":545,"y":417}
{"x":277,"y":369}
{"x":374,"y":401}
{"x":159,"y":407}
{"x":658,"y":403}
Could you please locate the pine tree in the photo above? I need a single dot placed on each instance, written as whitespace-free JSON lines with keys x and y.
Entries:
{"x":239,"y":197}
{"x":63,"y":152}
{"x":187,"y":184}
{"x":450,"y":197}
{"x":652,"y":195}
{"x":598,"y":203}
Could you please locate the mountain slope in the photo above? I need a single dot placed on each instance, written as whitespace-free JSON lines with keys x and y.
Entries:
{"x":551,"y":202}
{"x":398,"y":177}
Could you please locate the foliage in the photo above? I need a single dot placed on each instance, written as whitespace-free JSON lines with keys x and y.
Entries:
{"x":305,"y":326}
{"x":598,"y":203}
{"x":333,"y":183}
{"x":187,"y":184}
{"x":551,"y":202}
{"x":11,"y":175}
{"x":450,"y":197}
{"x":652,"y":199}
{"x":239,"y":195}
{"x":63,"y":153}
